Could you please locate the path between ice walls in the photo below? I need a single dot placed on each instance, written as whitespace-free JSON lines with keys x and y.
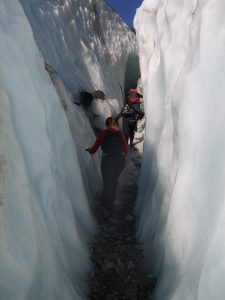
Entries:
{"x":181,"y":200}
{"x":45,"y":221}
{"x":87,"y":43}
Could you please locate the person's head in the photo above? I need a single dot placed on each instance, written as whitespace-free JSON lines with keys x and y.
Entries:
{"x":132,"y":92}
{"x":110,"y":122}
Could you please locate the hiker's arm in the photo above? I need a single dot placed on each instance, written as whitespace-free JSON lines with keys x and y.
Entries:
{"x":98,"y":142}
{"x":138,"y":110}
{"x":118,"y":116}
{"x":125,"y":146}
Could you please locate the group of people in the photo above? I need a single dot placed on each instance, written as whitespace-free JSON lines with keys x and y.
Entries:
{"x":114,"y":144}
{"x":131,"y":113}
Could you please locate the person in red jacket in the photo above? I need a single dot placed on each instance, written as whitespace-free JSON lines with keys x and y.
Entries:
{"x":114,"y":150}
{"x":131,"y":113}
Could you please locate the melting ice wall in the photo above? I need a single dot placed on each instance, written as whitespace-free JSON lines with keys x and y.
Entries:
{"x":86,"y":42}
{"x":182,"y":196}
{"x":45,"y":221}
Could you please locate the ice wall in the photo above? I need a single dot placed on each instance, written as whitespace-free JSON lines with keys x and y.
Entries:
{"x":86,"y":42}
{"x":45,"y":220}
{"x":182,"y":197}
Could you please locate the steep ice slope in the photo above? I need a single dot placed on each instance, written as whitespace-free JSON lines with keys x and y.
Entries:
{"x":182,"y":197}
{"x":46,"y":178}
{"x":45,"y":221}
{"x":86,"y":43}
{"x":83,"y":137}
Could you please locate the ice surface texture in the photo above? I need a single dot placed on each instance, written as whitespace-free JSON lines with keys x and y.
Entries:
{"x":45,"y":221}
{"x":86,"y":42}
{"x":182,"y":198}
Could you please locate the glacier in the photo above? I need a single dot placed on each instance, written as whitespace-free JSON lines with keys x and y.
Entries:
{"x":47,"y":180}
{"x":181,"y":202}
{"x":52,"y":50}
{"x":46,"y":223}
{"x":87,"y":43}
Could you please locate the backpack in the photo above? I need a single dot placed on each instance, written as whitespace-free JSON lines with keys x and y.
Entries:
{"x":128,"y":112}
{"x":133,"y":97}
{"x":132,"y":113}
{"x":113,"y":144}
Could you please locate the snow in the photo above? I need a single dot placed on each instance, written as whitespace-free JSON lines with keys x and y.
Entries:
{"x":181,"y":203}
{"x":48,"y":183}
{"x":45,"y":217}
{"x":102,"y":109}
{"x":86,"y":43}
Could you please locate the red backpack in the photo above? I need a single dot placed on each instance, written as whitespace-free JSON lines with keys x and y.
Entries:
{"x":113,"y":144}
{"x":133,"y":97}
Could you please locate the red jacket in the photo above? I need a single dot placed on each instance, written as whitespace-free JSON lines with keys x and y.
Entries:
{"x":100,"y":138}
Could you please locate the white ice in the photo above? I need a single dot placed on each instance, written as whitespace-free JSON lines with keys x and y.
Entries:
{"x":181,"y":204}
{"x":47,"y":180}
{"x":86,"y":43}
{"x":102,"y":109}
{"x":45,"y":220}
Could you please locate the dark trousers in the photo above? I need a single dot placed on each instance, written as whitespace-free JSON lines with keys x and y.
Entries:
{"x":132,"y":126}
{"x":111,"y":168}
{"x":129,"y":130}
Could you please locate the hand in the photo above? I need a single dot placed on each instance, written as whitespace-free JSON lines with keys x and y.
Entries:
{"x":88,"y":150}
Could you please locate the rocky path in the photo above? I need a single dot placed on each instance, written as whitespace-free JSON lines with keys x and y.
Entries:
{"x":118,"y":264}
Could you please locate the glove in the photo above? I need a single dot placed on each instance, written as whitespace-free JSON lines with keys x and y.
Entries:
{"x":88,"y":150}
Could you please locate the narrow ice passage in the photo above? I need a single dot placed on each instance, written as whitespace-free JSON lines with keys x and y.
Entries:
{"x":118,"y":268}
{"x":47,"y":181}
